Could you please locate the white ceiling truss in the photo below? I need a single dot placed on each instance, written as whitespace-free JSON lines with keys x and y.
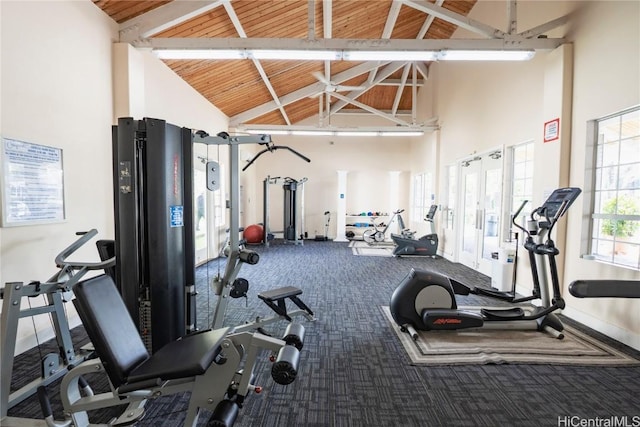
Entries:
{"x":139,"y":31}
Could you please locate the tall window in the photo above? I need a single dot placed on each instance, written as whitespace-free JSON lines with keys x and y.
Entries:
{"x":521,"y":184}
{"x":615,"y":180}
{"x":422,"y":196}
{"x":522,"y":172}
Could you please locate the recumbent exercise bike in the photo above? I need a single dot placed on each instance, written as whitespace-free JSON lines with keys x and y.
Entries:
{"x":427,"y":245}
{"x":425,"y":300}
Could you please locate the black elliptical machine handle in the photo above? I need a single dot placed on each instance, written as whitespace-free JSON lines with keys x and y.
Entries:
{"x":515,"y":215}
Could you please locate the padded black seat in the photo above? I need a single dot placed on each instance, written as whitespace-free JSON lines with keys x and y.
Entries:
{"x":120,"y":348}
{"x":280,"y":293}
{"x":275,"y":299}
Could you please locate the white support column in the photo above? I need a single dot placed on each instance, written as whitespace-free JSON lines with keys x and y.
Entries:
{"x":341,"y":214}
{"x":128,"y":77}
{"x":394,"y":201}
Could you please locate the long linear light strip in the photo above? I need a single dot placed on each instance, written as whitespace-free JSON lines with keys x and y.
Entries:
{"x":347,"y":55}
{"x":321,"y":132}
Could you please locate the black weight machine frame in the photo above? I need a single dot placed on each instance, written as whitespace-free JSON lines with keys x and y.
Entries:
{"x":292,"y":224}
{"x":228,"y":285}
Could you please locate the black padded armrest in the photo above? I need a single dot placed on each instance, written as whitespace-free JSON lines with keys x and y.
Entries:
{"x":184,"y":358}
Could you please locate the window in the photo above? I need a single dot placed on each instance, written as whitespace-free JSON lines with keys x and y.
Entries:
{"x":422,"y":196}
{"x":615,"y":180}
{"x":521,"y":171}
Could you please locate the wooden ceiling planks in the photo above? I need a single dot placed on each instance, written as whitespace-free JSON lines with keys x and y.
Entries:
{"x":235,"y":86}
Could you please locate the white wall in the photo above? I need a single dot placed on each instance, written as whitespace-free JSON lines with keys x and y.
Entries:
{"x":57,"y":91}
{"x":481,"y":106}
{"x":606,"y":80}
{"x":368,"y":161}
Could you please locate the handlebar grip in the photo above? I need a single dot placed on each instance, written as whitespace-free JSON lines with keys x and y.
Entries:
{"x":61,"y":258}
{"x":45,"y":404}
{"x":515,"y":215}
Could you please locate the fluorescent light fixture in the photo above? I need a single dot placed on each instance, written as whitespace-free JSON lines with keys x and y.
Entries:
{"x":388,"y":55}
{"x":318,"y":132}
{"x":486,"y":55}
{"x":200,"y":53}
{"x":356,"y":133}
{"x":300,"y":55}
{"x":269,"y":132}
{"x":347,"y":55}
{"x":409,"y":133}
{"x":333,"y":132}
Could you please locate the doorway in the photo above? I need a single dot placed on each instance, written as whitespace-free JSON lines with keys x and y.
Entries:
{"x":480,"y":201}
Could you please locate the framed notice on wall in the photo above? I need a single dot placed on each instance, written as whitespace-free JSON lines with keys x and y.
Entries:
{"x":32,"y":184}
{"x":552,"y":130}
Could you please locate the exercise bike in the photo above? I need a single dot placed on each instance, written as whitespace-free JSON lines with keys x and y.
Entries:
{"x":378,"y":232}
{"x":427,"y":245}
{"x":425,"y":300}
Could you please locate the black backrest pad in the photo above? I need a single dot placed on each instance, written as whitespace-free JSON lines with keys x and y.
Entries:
{"x":109,"y":326}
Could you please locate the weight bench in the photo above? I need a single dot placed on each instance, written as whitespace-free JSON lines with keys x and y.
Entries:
{"x":276,"y":299}
{"x":212,"y":364}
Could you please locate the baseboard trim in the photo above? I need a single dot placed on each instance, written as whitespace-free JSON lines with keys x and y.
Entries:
{"x":622,"y":335}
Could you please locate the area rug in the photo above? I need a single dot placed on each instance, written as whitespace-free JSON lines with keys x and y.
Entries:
{"x":360,"y":248}
{"x":490,"y":346}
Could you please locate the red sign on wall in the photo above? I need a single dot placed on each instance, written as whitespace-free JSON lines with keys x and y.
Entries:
{"x":552,"y":130}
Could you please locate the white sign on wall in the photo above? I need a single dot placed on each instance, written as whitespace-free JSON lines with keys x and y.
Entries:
{"x":32,"y":184}
{"x":552,"y":130}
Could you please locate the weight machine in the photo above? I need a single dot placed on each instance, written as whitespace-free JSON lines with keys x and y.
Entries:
{"x":293,"y":208}
{"x":216,"y":365}
{"x":154,"y":227}
{"x":57,"y":291}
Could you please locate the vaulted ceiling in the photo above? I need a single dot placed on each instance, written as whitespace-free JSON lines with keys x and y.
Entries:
{"x":285,"y":92}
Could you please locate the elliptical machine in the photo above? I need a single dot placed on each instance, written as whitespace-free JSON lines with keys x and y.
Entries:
{"x":425,"y":300}
{"x":427,"y":245}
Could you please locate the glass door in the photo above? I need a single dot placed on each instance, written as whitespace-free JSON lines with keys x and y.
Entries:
{"x":470,"y":180}
{"x":481,"y":201}
{"x":491,"y":208}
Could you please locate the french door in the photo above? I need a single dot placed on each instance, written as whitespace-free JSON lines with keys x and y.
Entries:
{"x":480,"y":201}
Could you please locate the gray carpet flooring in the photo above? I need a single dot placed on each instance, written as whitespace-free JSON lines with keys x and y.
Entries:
{"x":354,"y":371}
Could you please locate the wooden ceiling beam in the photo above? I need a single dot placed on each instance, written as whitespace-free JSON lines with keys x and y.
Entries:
{"x":348,"y":44}
{"x":238,"y":26}
{"x":304,"y":92}
{"x":382,"y":74}
{"x":455,"y":18}
{"x":164,"y":17}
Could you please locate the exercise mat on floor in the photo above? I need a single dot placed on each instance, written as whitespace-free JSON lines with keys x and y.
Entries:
{"x":361,"y":248}
{"x":491,"y":346}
